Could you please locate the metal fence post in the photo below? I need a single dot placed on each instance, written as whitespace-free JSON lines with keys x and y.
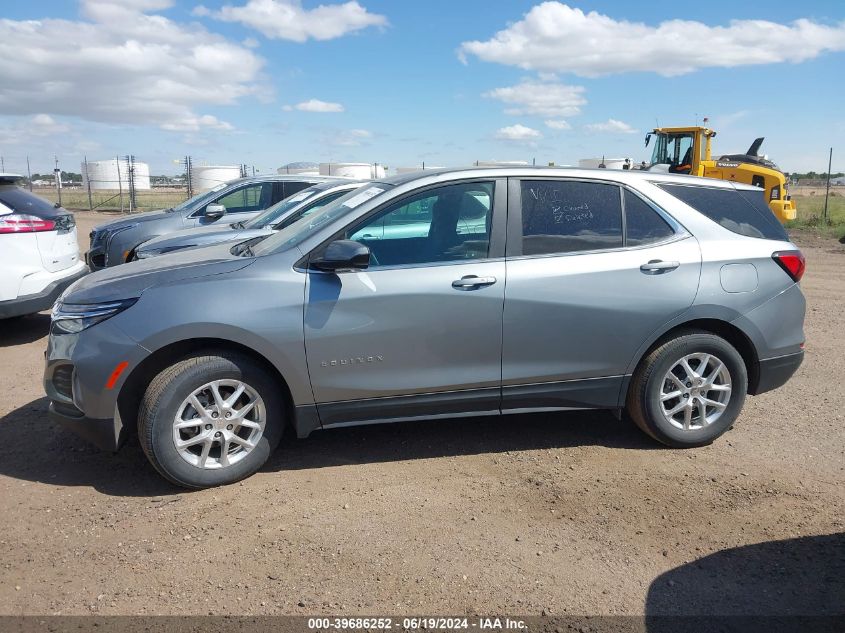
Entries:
{"x":29,"y":173}
{"x":58,"y":174}
{"x":88,"y":183}
{"x":827,"y":189}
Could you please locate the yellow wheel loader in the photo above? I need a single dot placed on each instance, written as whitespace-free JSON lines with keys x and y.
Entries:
{"x":686,"y":150}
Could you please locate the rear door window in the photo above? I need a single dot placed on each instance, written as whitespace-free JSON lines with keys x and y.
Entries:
{"x":643,"y":225}
{"x":740,"y":211}
{"x":566,"y":216}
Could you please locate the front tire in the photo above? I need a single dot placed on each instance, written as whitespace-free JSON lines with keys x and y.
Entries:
{"x":210,"y":419}
{"x":689,"y":390}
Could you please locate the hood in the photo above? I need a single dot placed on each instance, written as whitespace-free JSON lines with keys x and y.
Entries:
{"x":192,"y":238}
{"x":135,"y":218}
{"x":185,"y":235}
{"x":128,"y":281}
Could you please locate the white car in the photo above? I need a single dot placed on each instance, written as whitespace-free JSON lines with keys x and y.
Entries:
{"x":39,"y":253}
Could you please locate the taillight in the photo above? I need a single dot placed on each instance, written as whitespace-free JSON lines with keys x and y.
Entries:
{"x":792,"y":263}
{"x":23,"y":223}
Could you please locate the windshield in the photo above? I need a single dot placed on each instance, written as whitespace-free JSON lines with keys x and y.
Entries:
{"x":672,"y":149}
{"x":277,"y":210}
{"x":198,"y":199}
{"x":308,"y":225}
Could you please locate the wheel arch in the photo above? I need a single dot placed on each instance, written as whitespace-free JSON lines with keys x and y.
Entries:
{"x":136,"y":382}
{"x":734,"y":335}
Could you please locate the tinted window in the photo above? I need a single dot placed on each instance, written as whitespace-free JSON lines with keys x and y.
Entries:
{"x":250,"y":198}
{"x":642,"y":223}
{"x":444,"y":224}
{"x":743,"y":212}
{"x":566,"y":216}
{"x":22,"y":201}
{"x":290,"y":187}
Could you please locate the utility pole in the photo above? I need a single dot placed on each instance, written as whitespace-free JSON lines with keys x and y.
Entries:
{"x":188,"y":177}
{"x":119,"y":182}
{"x":58,"y":175}
{"x":827,"y":189}
{"x":28,"y":173}
{"x":130,"y":174}
{"x":2,"y":165}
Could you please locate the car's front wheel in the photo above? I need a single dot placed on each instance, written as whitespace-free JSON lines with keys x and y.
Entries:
{"x":689,"y":390}
{"x":210,"y":419}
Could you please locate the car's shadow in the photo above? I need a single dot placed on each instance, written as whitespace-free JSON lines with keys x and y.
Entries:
{"x":791,"y":585}
{"x":34,"y":449}
{"x":24,"y":329}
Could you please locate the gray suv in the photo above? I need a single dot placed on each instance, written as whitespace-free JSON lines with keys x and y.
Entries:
{"x":238,"y":200}
{"x":669,"y":297}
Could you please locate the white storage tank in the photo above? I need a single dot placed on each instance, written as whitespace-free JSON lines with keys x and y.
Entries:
{"x":205,"y":177}
{"x":352,"y":170}
{"x":609,"y":163}
{"x":302,"y":168}
{"x":113,"y":174}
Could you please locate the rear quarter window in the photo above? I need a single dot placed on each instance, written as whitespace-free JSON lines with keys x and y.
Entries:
{"x":739,"y":211}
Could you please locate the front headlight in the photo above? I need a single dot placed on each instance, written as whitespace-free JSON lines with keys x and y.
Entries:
{"x":71,"y":318}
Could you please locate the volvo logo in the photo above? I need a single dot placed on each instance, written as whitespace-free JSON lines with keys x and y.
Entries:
{"x":355,"y":360}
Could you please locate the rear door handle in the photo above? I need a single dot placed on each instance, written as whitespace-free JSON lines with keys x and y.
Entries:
{"x":473,"y":281}
{"x":657,"y":266}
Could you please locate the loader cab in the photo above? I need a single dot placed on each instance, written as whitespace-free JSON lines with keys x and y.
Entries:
{"x":679,"y":150}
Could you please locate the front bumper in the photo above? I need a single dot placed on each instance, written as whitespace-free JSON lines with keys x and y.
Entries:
{"x":107,"y":435}
{"x":774,"y":372}
{"x":78,"y":380}
{"x":44,"y":300}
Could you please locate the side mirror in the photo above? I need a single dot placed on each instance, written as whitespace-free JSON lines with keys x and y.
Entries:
{"x":215,"y":211}
{"x":343,"y":255}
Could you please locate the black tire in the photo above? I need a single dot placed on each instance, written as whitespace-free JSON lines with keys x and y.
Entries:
{"x":168,"y":390}
{"x":643,"y":403}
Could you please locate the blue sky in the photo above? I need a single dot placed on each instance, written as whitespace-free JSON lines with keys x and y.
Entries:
{"x":232,"y":81}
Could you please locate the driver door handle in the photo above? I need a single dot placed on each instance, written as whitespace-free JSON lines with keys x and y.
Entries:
{"x":469,"y":282}
{"x":657,"y":266}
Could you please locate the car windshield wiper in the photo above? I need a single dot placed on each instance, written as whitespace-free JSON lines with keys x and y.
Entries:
{"x":237,"y":225}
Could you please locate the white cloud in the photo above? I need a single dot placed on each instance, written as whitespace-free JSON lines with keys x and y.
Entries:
{"x":122,"y":65}
{"x":540,"y":99}
{"x":349,"y":138}
{"x":518,"y":133}
{"x":288,"y":20}
{"x":611,"y":125}
{"x":315,"y":105}
{"x":553,"y":37}
{"x":558,"y":124}
{"x":23,"y":131}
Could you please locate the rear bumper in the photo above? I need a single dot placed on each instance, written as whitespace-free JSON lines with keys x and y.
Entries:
{"x":107,"y":435}
{"x":774,"y":372}
{"x":30,"y":304}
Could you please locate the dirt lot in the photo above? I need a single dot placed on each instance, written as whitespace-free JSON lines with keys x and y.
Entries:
{"x":562,"y":514}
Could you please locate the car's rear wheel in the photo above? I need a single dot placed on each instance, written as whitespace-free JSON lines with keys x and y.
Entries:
{"x":210,"y":419}
{"x":689,"y":390}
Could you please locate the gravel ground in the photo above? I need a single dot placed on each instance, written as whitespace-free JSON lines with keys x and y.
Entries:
{"x":555,"y":514}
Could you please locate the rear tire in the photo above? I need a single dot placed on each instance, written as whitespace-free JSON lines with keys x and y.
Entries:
{"x":689,"y":390}
{"x":210,"y":419}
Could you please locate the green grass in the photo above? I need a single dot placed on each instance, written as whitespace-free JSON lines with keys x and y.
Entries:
{"x":810,"y":211}
{"x":77,"y":199}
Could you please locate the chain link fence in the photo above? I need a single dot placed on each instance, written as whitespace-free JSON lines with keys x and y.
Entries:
{"x":121,"y":183}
